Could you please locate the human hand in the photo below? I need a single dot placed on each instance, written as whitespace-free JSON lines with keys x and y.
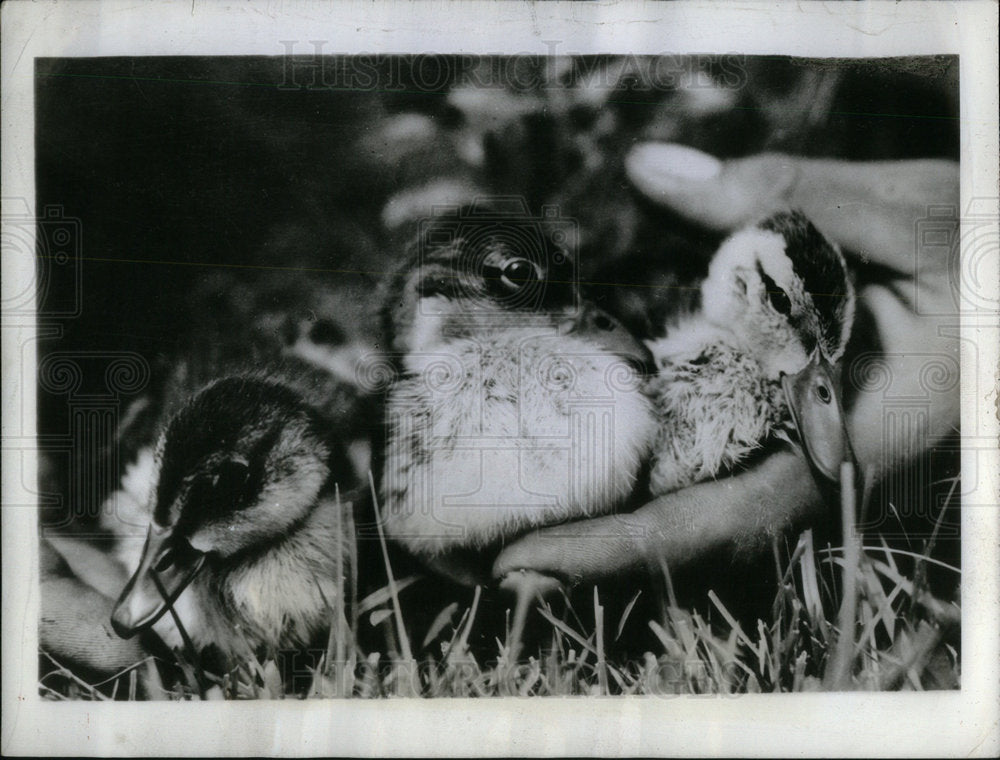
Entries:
{"x":79,"y":584}
{"x":872,"y":210}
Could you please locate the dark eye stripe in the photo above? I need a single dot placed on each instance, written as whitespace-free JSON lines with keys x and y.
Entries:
{"x":817,"y":264}
{"x":778,"y":297}
{"x":438,"y":284}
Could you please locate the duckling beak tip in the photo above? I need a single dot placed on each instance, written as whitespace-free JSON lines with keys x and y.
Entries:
{"x":596,"y":325}
{"x":814,"y":398}
{"x":163,"y":574}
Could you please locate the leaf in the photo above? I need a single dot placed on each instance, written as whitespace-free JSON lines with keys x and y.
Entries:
{"x":626,"y":613}
{"x":383,"y":595}
{"x":735,"y":626}
{"x":380,"y":616}
{"x":443,"y":618}
{"x":585,"y":643}
{"x":272,"y":680}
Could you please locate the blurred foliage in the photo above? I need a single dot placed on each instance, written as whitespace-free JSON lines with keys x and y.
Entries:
{"x":179,"y":165}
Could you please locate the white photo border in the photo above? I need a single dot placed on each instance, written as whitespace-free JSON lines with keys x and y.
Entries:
{"x":852,"y":724}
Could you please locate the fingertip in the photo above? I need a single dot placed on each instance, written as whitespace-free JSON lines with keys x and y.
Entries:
{"x":530,"y":580}
{"x":685,"y":180}
{"x":719,"y":195}
{"x":666,"y":167}
{"x":514,"y":558}
{"x":590,"y":551}
{"x":531,"y":553}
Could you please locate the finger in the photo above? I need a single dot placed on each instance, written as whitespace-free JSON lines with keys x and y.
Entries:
{"x":872,"y":209}
{"x":912,"y":345}
{"x":721,"y":196}
{"x":75,"y":628}
{"x":741,"y":511}
{"x":95,"y":568}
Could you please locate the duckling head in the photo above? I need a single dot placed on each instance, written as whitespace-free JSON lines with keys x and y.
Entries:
{"x":484,"y":277}
{"x":785,"y":291}
{"x":240,"y":466}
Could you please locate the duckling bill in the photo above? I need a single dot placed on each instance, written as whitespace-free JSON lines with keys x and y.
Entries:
{"x":814,"y":402}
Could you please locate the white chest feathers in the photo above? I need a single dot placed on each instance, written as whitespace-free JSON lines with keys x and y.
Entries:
{"x":715,"y":403}
{"x":489,"y":439}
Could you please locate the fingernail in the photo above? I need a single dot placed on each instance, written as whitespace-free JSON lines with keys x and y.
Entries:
{"x":659,"y":161}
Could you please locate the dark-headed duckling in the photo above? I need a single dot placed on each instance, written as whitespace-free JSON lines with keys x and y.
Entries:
{"x":245,"y":536}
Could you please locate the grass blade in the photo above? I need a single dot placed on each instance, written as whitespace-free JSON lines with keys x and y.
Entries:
{"x":839,"y":673}
{"x":404,"y":640}
{"x":626,"y":613}
{"x":602,"y":669}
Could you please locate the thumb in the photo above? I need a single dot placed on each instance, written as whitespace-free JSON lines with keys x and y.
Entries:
{"x":719,"y":195}
{"x":872,"y":208}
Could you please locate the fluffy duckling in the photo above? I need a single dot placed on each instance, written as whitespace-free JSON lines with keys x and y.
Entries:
{"x":244,"y":537}
{"x":757,"y":358}
{"x":517,"y":403}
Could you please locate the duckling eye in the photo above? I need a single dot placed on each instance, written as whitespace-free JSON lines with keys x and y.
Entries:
{"x":823,"y":393}
{"x":778,"y":297}
{"x":780,"y":301}
{"x":229,"y":482}
{"x":518,"y":274}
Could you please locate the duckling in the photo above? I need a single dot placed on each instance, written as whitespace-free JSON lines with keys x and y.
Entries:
{"x":517,"y":402}
{"x":232,"y":459}
{"x":245,"y":535}
{"x":757,"y":360}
